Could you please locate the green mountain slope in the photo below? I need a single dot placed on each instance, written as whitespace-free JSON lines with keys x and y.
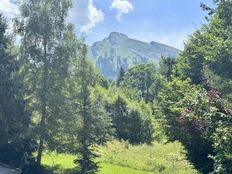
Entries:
{"x":118,"y":50}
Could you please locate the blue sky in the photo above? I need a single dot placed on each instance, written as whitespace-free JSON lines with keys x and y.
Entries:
{"x":166,"y":21}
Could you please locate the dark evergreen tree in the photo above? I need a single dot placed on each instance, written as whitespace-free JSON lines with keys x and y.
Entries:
{"x":120,"y":76}
{"x":166,"y":66}
{"x":94,"y":123}
{"x":130,"y":124}
{"x":16,"y":143}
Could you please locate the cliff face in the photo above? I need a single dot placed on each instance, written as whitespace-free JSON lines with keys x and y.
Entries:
{"x":118,"y":50}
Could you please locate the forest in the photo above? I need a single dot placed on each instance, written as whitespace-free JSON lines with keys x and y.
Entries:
{"x":59,"y":114}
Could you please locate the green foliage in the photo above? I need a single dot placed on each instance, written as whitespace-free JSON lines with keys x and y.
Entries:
{"x":145,"y":80}
{"x":131,"y":120}
{"x":45,"y":51}
{"x":166,"y":66}
{"x":16,"y":143}
{"x":89,"y":122}
{"x":191,"y":63}
{"x":120,"y":77}
{"x":178,"y":99}
{"x":174,"y":97}
{"x":209,"y":48}
{"x":206,"y":60}
{"x":130,"y":124}
{"x":74,"y":108}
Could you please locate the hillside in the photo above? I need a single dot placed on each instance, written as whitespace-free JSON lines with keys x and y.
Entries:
{"x":118,"y":50}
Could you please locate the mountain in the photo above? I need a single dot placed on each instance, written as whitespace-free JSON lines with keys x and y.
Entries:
{"x":118,"y":50}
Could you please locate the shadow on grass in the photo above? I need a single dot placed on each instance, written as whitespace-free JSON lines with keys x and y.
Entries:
{"x":58,"y":170}
{"x":35,"y":169}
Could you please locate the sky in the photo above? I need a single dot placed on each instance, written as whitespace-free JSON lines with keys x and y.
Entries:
{"x":165,"y":21}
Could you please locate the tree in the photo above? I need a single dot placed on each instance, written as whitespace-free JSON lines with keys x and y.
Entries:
{"x":120,"y":77}
{"x":208,"y":49}
{"x":179,"y":99}
{"x":166,"y":66}
{"x":130,"y":123}
{"x":204,"y":118}
{"x":16,"y":143}
{"x":141,"y":78}
{"x":191,"y":62}
{"x":88,"y":115}
{"x":45,"y":54}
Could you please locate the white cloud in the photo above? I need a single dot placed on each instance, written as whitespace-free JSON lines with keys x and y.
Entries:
{"x":122,"y":7}
{"x":85,"y":15}
{"x":8,"y":8}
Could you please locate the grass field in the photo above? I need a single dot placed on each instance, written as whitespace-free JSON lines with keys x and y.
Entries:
{"x":123,"y":158}
{"x":115,"y":169}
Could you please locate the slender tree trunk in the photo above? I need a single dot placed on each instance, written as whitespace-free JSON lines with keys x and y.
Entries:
{"x":40,"y":149}
{"x":43,"y":106}
{"x":42,"y":129}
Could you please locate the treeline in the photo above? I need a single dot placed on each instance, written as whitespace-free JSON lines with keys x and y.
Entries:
{"x":53,"y":97}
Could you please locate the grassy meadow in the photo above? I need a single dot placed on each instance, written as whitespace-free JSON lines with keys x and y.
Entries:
{"x":123,"y":158}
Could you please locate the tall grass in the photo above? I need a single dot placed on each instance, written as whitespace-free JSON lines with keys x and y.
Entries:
{"x":158,"y":158}
{"x":122,"y":158}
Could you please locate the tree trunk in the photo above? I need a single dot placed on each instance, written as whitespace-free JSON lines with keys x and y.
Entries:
{"x":40,"y":151}
{"x":41,"y":140}
{"x":43,"y":106}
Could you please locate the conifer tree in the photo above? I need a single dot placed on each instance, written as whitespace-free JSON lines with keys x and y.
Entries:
{"x":93,"y":122}
{"x":120,"y":76}
{"x":15,"y":144}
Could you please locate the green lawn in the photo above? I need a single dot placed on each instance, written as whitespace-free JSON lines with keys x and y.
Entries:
{"x":114,"y":169}
{"x":123,"y":158}
{"x":64,"y":161}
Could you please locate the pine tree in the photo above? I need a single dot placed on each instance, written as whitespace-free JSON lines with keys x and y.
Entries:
{"x":15,"y":144}
{"x":166,"y":66}
{"x":95,"y":124}
{"x":120,"y":76}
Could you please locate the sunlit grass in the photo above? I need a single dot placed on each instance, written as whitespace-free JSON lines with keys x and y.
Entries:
{"x":123,"y":158}
{"x":114,"y":169}
{"x":62,"y":160}
{"x":158,"y":158}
